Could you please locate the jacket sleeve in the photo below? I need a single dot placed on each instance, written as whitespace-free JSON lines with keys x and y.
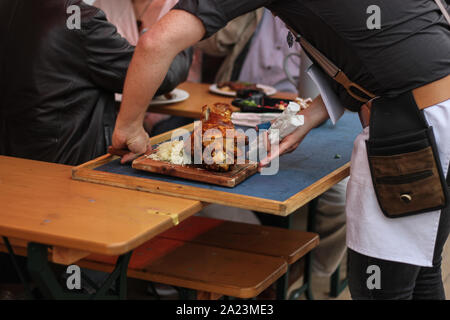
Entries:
{"x":108,"y":54}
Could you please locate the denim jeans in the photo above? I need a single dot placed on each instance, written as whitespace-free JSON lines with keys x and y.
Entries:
{"x":400,"y":281}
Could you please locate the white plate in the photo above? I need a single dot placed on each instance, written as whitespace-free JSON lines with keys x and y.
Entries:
{"x":178,"y":95}
{"x":267,"y":89}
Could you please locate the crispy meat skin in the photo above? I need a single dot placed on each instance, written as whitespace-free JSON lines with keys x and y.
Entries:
{"x":216,"y":121}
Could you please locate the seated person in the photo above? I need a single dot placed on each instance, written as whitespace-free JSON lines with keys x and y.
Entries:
{"x":58,"y":83}
{"x":254,"y":47}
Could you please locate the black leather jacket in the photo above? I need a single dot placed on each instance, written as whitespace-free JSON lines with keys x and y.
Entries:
{"x":57,"y":85}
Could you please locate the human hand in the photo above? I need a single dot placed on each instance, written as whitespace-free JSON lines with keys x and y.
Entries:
{"x":287,"y":145}
{"x":135,"y":140}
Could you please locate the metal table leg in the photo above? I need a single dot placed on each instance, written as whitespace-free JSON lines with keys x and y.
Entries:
{"x":306,"y":287}
{"x":282,"y":284}
{"x":23,"y":279}
{"x":41,"y":272}
{"x":336,"y":284}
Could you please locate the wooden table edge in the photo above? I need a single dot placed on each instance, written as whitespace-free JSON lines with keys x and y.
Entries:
{"x":112,"y":249}
{"x":299,"y":199}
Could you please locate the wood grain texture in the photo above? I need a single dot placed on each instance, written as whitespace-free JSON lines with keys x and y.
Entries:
{"x":67,"y":256}
{"x":40,"y":203}
{"x":317,"y":188}
{"x":290,"y":245}
{"x":213,"y":272}
{"x":191,"y":172}
{"x":181,"y":191}
{"x":204,"y":268}
{"x":281,"y":208}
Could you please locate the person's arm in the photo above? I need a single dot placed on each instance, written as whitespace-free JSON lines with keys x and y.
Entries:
{"x":154,"y":53}
{"x":178,"y":71}
{"x":314,"y":115}
{"x":108,"y":54}
{"x":188,"y":23}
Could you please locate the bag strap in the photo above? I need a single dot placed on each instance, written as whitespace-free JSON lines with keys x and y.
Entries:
{"x":353,"y":89}
{"x":444,"y":11}
{"x":337,"y":74}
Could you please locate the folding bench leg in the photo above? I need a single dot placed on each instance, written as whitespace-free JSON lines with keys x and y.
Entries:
{"x":306,"y":287}
{"x":23,"y":279}
{"x":282,"y":284}
{"x":336,"y":284}
{"x":43,"y":275}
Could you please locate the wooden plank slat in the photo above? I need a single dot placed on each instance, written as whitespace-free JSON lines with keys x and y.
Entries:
{"x":67,"y":256}
{"x":281,"y":208}
{"x":205,"y":268}
{"x":40,"y":203}
{"x":290,"y":245}
{"x":180,"y":191}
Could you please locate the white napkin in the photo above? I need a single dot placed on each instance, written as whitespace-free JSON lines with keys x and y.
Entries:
{"x":248,"y":119}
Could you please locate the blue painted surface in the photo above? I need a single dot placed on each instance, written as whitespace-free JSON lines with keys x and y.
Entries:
{"x":314,"y":159}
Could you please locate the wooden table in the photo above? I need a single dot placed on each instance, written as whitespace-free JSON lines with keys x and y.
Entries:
{"x":199,"y":95}
{"x":321,"y":161}
{"x":42,"y":205}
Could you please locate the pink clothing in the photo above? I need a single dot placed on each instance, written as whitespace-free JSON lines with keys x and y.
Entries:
{"x":156,"y":10}
{"x":121,"y":14}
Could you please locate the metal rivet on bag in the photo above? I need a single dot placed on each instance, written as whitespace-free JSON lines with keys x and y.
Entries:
{"x":406,"y":198}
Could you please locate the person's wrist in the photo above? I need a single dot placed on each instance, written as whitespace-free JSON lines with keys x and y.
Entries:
{"x":129,"y":125}
{"x":308,"y":120}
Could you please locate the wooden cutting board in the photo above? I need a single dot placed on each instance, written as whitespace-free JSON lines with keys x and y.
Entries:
{"x":232,"y":178}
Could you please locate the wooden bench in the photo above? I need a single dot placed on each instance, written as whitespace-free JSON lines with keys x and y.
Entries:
{"x":214,"y":257}
{"x":289,"y":245}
